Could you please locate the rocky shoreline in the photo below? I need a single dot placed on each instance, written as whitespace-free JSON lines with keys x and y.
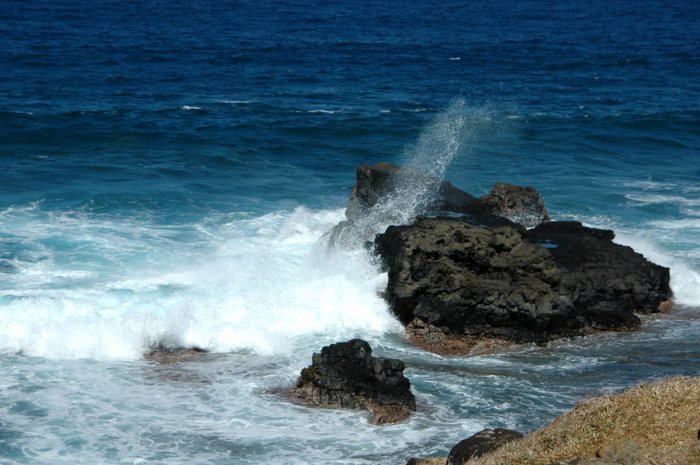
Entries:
{"x":469,"y":276}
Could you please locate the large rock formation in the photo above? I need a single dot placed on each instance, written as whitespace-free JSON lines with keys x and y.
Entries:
{"x":466,"y":274}
{"x":451,"y":277}
{"x":345,"y":375}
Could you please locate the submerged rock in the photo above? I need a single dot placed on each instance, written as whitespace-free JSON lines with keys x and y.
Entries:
{"x":560,"y":279}
{"x":345,"y":375}
{"x":481,"y":443}
{"x":171,"y":355}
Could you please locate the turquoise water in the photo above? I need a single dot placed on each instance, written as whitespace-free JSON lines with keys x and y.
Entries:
{"x":169,"y":172}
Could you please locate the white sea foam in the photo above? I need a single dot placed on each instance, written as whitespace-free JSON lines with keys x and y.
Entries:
{"x":259,"y":284}
{"x":684,"y":224}
{"x":451,"y":133}
{"x":663,"y":199}
{"x":190,"y":108}
{"x":685,"y":280}
{"x":650,"y":185}
{"x":237,"y":102}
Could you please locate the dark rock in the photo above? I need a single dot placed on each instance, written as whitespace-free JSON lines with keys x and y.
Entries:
{"x":607,"y":282}
{"x":345,"y":375}
{"x":381,"y":181}
{"x":522,"y":205}
{"x":372,"y":183}
{"x":386,"y":194}
{"x":559,"y":279}
{"x":481,"y":443}
{"x":172,"y":355}
{"x":421,"y":461}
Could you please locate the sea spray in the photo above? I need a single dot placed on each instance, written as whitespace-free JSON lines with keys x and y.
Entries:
{"x":685,"y":281}
{"x":246,"y":284}
{"x":453,"y":132}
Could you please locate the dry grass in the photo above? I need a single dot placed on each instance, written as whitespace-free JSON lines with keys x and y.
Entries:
{"x":662,"y":417}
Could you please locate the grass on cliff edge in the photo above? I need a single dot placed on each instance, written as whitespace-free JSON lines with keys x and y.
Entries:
{"x":662,"y":417}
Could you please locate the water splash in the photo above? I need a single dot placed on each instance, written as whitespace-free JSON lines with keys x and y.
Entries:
{"x":222,"y":285}
{"x":454,"y":132}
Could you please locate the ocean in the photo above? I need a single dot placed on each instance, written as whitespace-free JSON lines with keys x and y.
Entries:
{"x":168,"y":171}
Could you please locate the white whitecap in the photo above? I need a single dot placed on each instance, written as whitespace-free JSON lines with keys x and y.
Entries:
{"x":663,"y":199}
{"x":685,"y":279}
{"x":684,"y":224}
{"x":236,"y":102}
{"x":259,"y":284}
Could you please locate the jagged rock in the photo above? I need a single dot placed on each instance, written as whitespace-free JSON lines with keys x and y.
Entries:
{"x":434,"y":339}
{"x":522,"y":205}
{"x":345,"y":375}
{"x":386,"y":194}
{"x":380,"y":181}
{"x":479,"y":444}
{"x":372,"y":183}
{"x":559,"y":279}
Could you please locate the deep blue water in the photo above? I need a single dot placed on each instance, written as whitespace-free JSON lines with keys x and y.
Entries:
{"x":168,"y":168}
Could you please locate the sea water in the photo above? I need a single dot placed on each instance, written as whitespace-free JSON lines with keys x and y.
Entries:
{"x":169,"y":172}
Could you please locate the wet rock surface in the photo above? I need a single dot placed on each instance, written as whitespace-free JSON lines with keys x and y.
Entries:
{"x":173,"y":355}
{"x":468,"y":276}
{"x":391,"y":194}
{"x":345,"y":375}
{"x":376,"y":183}
{"x":559,"y":279}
